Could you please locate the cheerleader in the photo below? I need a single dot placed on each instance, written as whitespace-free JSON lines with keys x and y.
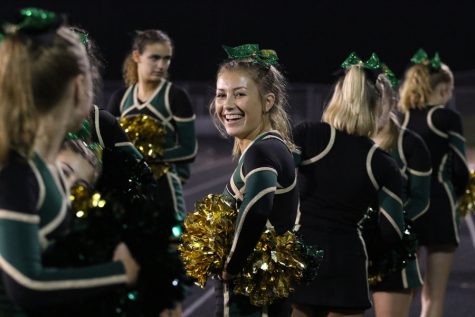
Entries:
{"x":249,"y":106}
{"x":149,"y":92}
{"x":342,"y":173}
{"x":50,"y":95}
{"x":427,"y":87}
{"x":393,"y":294}
{"x":150,"y":244}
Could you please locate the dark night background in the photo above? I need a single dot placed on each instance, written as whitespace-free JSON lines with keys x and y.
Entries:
{"x":311,"y":37}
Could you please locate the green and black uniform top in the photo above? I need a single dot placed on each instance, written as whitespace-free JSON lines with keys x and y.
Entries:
{"x":263,"y":186}
{"x":342,"y":175}
{"x":33,"y":211}
{"x":441,"y":129}
{"x":413,"y":157}
{"x":171,"y":106}
{"x":109,"y":134}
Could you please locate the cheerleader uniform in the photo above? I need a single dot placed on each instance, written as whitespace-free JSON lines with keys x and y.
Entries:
{"x":33,"y":212}
{"x":263,"y":187}
{"x":171,"y":106}
{"x":413,"y":159}
{"x":109,"y":134}
{"x":341,"y":176}
{"x":441,"y":130}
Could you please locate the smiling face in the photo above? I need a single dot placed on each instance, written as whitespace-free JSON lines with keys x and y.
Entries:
{"x":239,"y":105}
{"x":153,"y":62}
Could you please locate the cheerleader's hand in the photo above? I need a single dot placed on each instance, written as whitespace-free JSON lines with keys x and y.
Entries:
{"x":132,"y":268}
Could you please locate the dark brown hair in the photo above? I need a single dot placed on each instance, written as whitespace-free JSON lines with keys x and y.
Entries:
{"x":141,"y":40}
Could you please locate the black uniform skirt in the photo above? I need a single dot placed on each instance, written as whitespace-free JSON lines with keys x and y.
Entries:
{"x":342,"y":282}
{"x":440,"y":224}
{"x":240,"y":306}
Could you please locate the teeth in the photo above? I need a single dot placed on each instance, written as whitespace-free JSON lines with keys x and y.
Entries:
{"x":233,"y":116}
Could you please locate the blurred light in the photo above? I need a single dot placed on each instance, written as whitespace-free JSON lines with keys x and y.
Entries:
{"x":176,"y":231}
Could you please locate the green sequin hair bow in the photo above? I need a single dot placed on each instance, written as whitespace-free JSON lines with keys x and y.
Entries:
{"x":421,"y":57}
{"x":390,"y":75}
{"x":83,"y":36}
{"x":373,"y":63}
{"x":251,"y":51}
{"x":84,"y":134}
{"x":32,"y":21}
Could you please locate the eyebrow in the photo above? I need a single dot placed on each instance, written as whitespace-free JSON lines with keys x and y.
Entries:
{"x":240,"y":87}
{"x":160,"y":56}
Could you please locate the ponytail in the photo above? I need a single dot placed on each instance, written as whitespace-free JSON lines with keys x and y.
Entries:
{"x":352,"y":106}
{"x":416,"y":88}
{"x":34,"y":76}
{"x":18,"y":118}
{"x":129,"y":71}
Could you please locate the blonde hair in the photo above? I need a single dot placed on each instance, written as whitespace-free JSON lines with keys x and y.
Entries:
{"x":34,"y":75}
{"x":419,"y":82}
{"x":352,"y":106}
{"x":141,"y":40}
{"x":96,"y":60}
{"x":391,"y":136}
{"x":269,"y":80}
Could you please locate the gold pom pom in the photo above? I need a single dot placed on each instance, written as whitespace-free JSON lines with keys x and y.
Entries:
{"x":276,"y":264}
{"x":148,"y":136}
{"x":467,"y":202}
{"x":273,"y":268}
{"x":82,"y":200}
{"x":375,"y":279}
{"x":207,"y":238}
{"x":159,"y":169}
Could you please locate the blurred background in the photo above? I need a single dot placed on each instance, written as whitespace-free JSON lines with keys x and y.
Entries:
{"x":311,"y":38}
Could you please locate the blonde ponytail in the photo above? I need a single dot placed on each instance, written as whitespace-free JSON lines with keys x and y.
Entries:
{"x":33,"y":78}
{"x":18,"y":117}
{"x":416,"y":88}
{"x":352,"y":106}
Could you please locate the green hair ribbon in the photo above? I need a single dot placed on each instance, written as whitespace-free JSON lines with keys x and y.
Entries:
{"x":83,"y":36}
{"x":32,"y":19}
{"x":263,"y":57}
{"x":84,"y":134}
{"x":97,"y":149}
{"x":421,"y":57}
{"x":373,"y":63}
{"x":351,"y":60}
{"x":435,"y":62}
{"x":390,"y":75}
